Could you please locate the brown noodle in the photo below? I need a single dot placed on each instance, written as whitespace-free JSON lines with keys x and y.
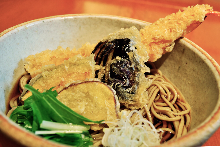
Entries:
{"x":166,"y":109}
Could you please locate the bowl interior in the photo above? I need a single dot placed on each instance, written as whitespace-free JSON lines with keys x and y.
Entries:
{"x":187,"y":67}
{"x":194,"y":76}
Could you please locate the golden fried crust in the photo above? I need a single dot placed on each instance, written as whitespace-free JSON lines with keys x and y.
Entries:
{"x":159,"y":37}
{"x":77,"y":68}
{"x":48,"y":58}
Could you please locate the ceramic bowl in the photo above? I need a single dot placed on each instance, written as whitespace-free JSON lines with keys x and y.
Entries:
{"x":188,"y":66}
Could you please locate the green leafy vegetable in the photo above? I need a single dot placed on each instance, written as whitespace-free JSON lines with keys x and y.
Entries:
{"x":71,"y":139}
{"x":24,"y":117}
{"x":44,"y":107}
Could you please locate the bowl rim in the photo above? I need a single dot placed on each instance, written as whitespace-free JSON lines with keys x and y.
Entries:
{"x":4,"y":32}
{"x":7,"y":125}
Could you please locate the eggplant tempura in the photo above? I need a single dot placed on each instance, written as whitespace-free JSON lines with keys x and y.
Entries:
{"x":123,"y":54}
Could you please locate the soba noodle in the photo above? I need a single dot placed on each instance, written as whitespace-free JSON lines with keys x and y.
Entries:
{"x":166,"y":109}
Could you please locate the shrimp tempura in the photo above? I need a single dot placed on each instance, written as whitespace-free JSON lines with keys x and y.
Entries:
{"x":159,"y":37}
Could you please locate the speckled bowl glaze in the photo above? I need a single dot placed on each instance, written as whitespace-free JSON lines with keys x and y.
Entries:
{"x":189,"y":67}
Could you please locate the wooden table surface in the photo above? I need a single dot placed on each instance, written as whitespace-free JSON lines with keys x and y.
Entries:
{"x":13,"y":12}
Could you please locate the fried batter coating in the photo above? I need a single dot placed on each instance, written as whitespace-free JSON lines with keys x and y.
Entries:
{"x":48,"y":58}
{"x":77,"y":68}
{"x":159,"y":37}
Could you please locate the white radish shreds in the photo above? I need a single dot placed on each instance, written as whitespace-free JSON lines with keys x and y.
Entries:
{"x":128,"y":134}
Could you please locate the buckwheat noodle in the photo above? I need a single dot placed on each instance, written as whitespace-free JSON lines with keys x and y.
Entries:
{"x":166,"y":109}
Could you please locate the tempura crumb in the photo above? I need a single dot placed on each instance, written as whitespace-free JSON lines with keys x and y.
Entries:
{"x":159,"y":37}
{"x":77,"y":68}
{"x":49,"y":58}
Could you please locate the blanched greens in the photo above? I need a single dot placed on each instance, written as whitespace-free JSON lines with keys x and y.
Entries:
{"x":41,"y":107}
